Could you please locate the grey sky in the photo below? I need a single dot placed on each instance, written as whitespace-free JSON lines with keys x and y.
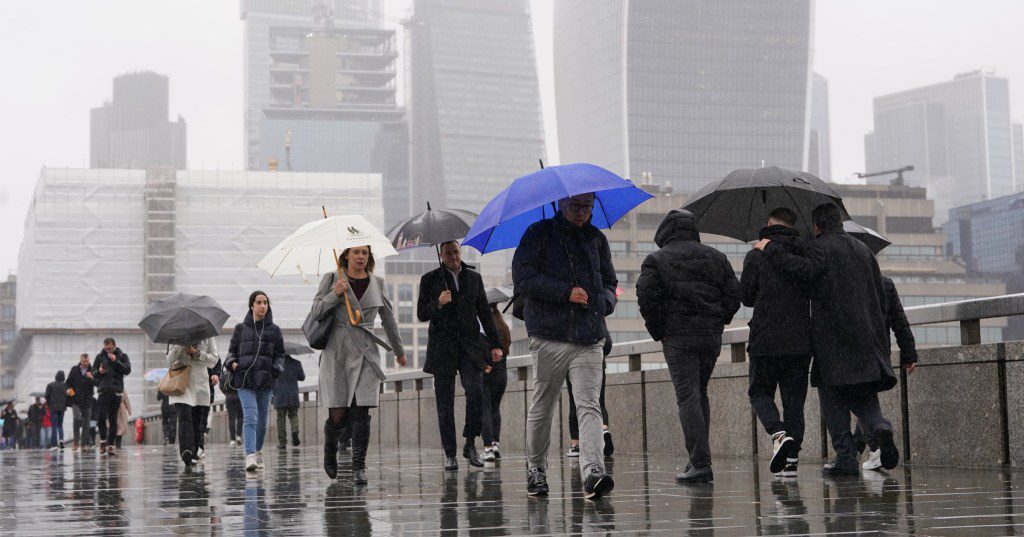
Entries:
{"x":59,"y":59}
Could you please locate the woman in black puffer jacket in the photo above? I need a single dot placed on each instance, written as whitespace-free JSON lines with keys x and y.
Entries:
{"x":255,"y":358}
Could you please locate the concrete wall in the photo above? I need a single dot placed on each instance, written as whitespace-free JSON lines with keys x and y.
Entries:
{"x":964,"y":407}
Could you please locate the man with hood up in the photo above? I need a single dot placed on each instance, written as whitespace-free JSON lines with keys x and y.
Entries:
{"x":687,"y":293}
{"x":56,"y":398}
{"x":780,"y":341}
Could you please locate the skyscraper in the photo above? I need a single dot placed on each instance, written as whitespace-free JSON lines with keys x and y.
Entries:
{"x":819,"y":141}
{"x":1018,"y":156}
{"x":132,"y":131}
{"x":320,"y":93}
{"x":687,"y":90}
{"x":956,"y":134}
{"x":476,"y":115}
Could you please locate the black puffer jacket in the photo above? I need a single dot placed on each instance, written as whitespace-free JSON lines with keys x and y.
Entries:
{"x":112,"y":379}
{"x":781,"y":323}
{"x":896,"y":321}
{"x":258,"y":348}
{"x":56,"y":394}
{"x":686,"y":288}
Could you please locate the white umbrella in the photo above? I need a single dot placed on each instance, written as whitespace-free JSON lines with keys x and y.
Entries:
{"x":311,"y":249}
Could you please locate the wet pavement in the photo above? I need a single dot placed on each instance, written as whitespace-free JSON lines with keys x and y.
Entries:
{"x":146,"y":490}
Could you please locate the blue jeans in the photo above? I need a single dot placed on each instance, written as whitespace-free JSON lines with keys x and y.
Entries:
{"x":44,"y":437}
{"x":255,"y":409}
{"x":58,"y":429}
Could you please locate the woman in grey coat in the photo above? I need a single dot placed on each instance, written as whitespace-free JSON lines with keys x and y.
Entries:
{"x":350,"y":372}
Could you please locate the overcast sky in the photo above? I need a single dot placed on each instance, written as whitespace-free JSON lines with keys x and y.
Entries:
{"x":59,"y":58}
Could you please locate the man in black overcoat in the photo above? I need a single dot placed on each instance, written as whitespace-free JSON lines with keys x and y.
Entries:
{"x":462,"y":339}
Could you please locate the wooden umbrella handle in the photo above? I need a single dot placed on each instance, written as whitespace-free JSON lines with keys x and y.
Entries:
{"x":355,"y":317}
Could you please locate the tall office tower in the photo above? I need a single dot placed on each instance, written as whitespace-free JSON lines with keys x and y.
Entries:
{"x":132,"y":131}
{"x":320,"y":93}
{"x":687,"y":90}
{"x":1018,"y":156}
{"x":476,"y":115}
{"x":819,"y":142}
{"x":956,"y":134}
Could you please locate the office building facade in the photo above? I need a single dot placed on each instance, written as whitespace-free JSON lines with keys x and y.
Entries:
{"x":132,"y":130}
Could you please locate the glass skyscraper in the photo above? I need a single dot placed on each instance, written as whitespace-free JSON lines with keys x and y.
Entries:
{"x":132,"y":131}
{"x":687,"y":90}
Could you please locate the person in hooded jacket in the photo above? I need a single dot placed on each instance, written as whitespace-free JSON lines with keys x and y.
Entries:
{"x":286,"y":400}
{"x":10,"y":430}
{"x":848,"y":333}
{"x":80,"y":396}
{"x":57,"y":400}
{"x":779,"y":344}
{"x":34,"y":423}
{"x":109,"y":369}
{"x":687,"y":292}
{"x":255,"y":358}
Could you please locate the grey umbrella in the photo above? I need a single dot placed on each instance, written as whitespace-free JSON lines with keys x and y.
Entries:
{"x":431,"y":228}
{"x":738,"y":205}
{"x":296,"y":349}
{"x":37,"y":394}
{"x":183,"y":319}
{"x":871,"y":238}
{"x":497,"y":295}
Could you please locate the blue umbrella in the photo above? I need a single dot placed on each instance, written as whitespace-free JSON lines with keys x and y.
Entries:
{"x":531,"y":198}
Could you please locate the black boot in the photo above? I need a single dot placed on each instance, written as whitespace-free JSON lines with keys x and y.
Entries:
{"x":469,"y":452}
{"x":295,"y":438}
{"x":360,"y":441}
{"x":331,"y":449}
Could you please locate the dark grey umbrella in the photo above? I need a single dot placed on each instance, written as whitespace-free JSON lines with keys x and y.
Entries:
{"x":497,"y":295}
{"x":871,"y":238}
{"x":431,"y":227}
{"x":738,"y":205}
{"x":37,"y":394}
{"x":296,"y":349}
{"x":182,"y":319}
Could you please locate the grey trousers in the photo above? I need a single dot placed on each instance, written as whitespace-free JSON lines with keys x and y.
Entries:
{"x":691,"y":360}
{"x":837,"y":402}
{"x":554,"y":361}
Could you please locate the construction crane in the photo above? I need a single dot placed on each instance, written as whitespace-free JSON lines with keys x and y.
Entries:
{"x":898,"y":181}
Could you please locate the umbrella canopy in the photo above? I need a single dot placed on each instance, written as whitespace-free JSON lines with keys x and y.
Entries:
{"x":497,"y":295}
{"x":738,"y":205}
{"x":182,"y":319}
{"x":871,"y":238}
{"x":154,"y":375}
{"x":531,"y":198}
{"x":311,"y":248}
{"x":37,"y":394}
{"x":5,"y":402}
{"x":431,"y":227}
{"x":296,"y":349}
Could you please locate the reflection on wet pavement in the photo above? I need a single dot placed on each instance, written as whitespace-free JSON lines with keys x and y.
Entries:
{"x":146,"y":490}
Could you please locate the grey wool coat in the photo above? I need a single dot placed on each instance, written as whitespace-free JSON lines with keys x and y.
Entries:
{"x":350,"y":365}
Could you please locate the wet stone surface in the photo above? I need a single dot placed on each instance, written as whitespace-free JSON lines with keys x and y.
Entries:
{"x":147,"y":491}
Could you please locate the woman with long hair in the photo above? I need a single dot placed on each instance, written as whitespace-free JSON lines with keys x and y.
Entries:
{"x":255,"y":358}
{"x":495,"y":381}
{"x":350,"y":373}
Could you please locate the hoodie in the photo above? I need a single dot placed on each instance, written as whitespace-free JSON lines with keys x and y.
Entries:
{"x":56,"y":395}
{"x":686,"y":288}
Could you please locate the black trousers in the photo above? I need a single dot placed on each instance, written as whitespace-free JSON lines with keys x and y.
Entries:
{"x":234,"y":405}
{"x":170,"y":422}
{"x":81,"y":426}
{"x":444,"y":395}
{"x":204,"y":417}
{"x":691,"y":360}
{"x":190,"y":426}
{"x":837,"y":402}
{"x":107,"y":406}
{"x":494,"y":385}
{"x":789,"y":374}
{"x":574,"y":422}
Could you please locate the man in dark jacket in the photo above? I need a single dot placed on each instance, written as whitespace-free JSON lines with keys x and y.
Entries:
{"x":34,"y":423}
{"x":687,"y":292}
{"x":780,"y":342}
{"x":563,"y":270}
{"x":453,"y":299}
{"x":56,"y":399}
{"x":80,"y":397}
{"x":851,"y":354}
{"x":286,"y":400}
{"x":109,"y":369}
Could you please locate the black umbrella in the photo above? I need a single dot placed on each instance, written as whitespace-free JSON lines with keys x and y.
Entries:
{"x":296,"y":349}
{"x":182,"y":319}
{"x":871,"y":238}
{"x":431,"y":228}
{"x":497,"y":295}
{"x":738,"y":205}
{"x":5,"y":402}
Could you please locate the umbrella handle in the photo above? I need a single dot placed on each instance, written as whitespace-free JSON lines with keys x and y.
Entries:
{"x":357,"y":317}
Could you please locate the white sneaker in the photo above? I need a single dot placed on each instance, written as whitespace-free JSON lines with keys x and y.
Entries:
{"x":488,"y":455}
{"x":782,"y":447}
{"x":259,"y":460}
{"x":874,"y":461}
{"x":574,"y":451}
{"x":200,"y":454}
{"x":231,"y":443}
{"x":250,"y":462}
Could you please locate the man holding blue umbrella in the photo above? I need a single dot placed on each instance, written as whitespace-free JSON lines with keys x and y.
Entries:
{"x":563,"y":270}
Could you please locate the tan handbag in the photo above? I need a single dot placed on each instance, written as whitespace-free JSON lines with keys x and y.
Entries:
{"x":175,"y":382}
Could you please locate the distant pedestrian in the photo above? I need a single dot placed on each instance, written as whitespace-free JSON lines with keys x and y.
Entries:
{"x":57,"y":401}
{"x":168,"y":418}
{"x":495,"y":382}
{"x":255,"y":357}
{"x":109,"y":369}
{"x":46,"y":430}
{"x":234,"y":409}
{"x":780,"y":342}
{"x":286,"y":400}
{"x":851,"y":351}
{"x":563,"y":270}
{"x":80,"y":397}
{"x":189,"y":406}
{"x":687,"y":292}
{"x":124,"y":411}
{"x":214,"y":374}
{"x":10,"y":429}
{"x":34,"y":424}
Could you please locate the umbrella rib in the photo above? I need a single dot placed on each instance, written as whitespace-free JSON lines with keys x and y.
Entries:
{"x":281,"y":262}
{"x":797,"y":205}
{"x":750,"y":211}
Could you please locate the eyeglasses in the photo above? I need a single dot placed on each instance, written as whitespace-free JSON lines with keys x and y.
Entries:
{"x":581,"y":207}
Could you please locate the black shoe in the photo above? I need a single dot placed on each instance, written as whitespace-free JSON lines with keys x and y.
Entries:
{"x":597,"y":485}
{"x":359,"y":477}
{"x":832,"y":469}
{"x":186,"y":457}
{"x":282,"y":446}
{"x":330,"y":449}
{"x":890,"y":455}
{"x":469,"y":452}
{"x":537,"y":483}
{"x":295,"y":438}
{"x":451,"y":464}
{"x":696,"y":475}
{"x":609,"y":446}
